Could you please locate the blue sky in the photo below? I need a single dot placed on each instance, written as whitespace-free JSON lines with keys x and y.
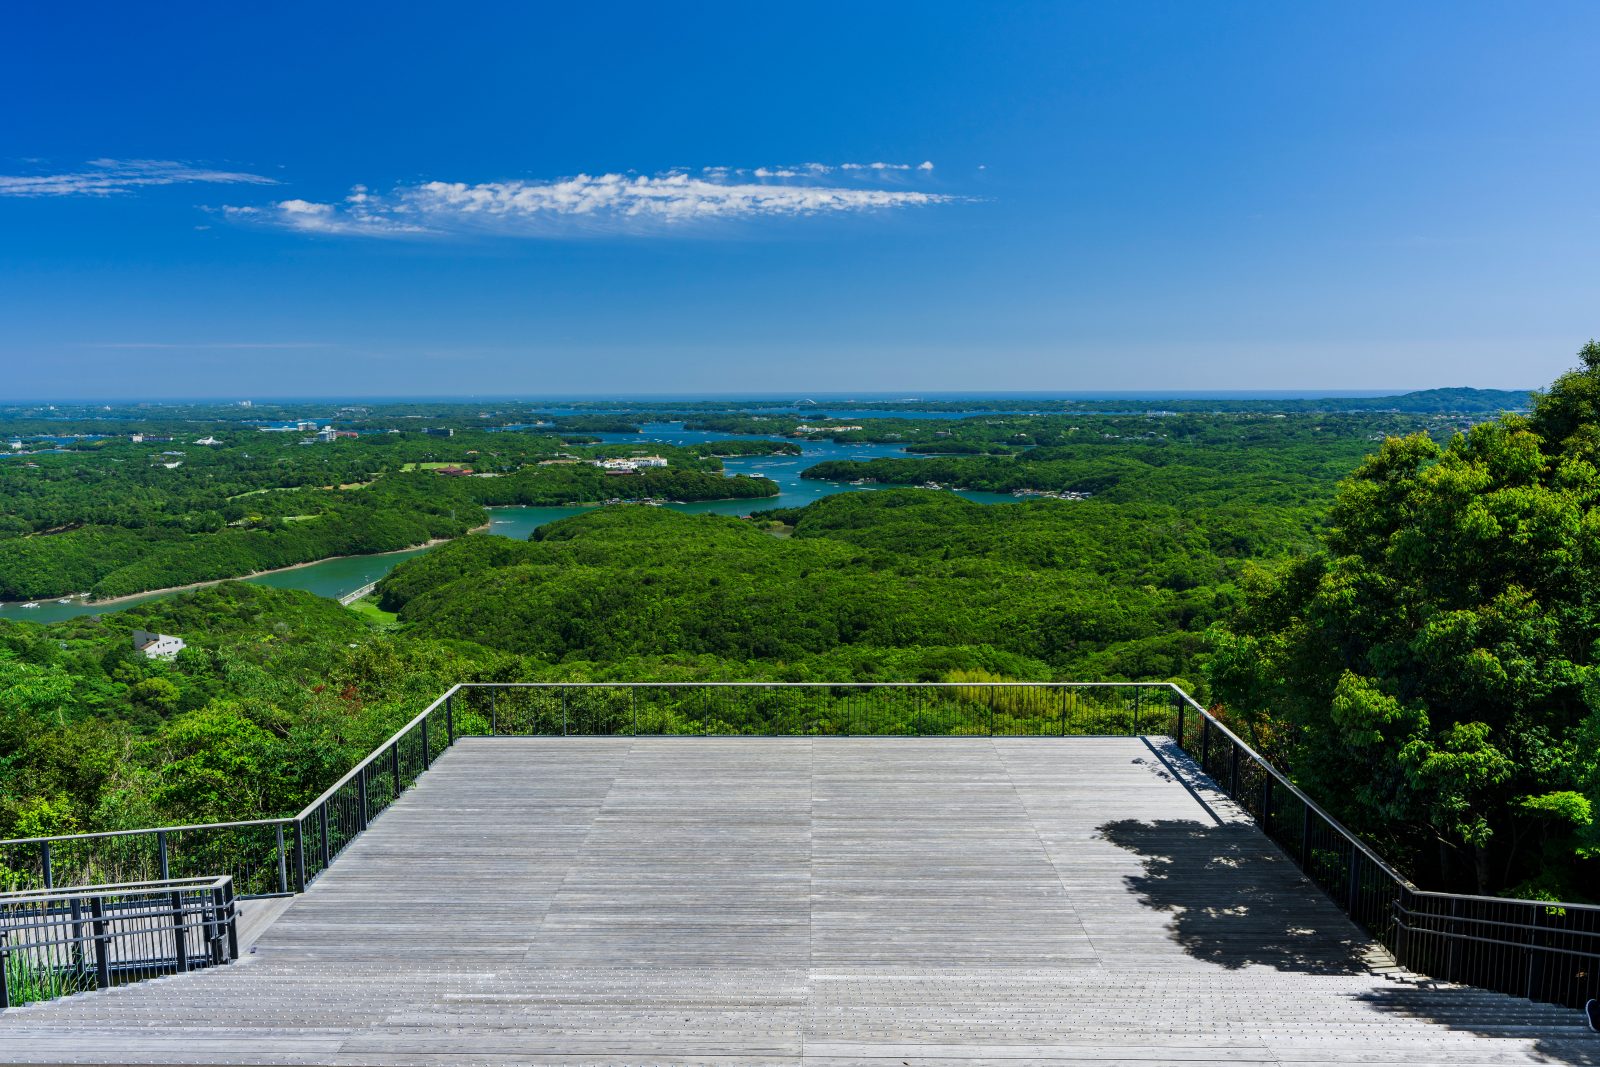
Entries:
{"x":520,"y":198}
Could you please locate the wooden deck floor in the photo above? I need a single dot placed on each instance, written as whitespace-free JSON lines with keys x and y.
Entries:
{"x":784,"y":901}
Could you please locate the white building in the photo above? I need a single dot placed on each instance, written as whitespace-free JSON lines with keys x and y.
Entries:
{"x":631,"y":463}
{"x":157,"y":646}
{"x":208,"y":441}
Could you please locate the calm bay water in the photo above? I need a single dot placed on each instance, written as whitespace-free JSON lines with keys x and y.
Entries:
{"x":335,"y":577}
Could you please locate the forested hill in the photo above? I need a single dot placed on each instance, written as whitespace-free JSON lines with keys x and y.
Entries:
{"x":1037,"y":589}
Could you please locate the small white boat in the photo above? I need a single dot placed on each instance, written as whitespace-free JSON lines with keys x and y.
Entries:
{"x":32,"y":605}
{"x":64,"y":600}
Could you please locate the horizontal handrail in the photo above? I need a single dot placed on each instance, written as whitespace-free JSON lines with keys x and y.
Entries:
{"x":1561,"y":904}
{"x":81,"y":891}
{"x":812,"y":685}
{"x":147,"y":830}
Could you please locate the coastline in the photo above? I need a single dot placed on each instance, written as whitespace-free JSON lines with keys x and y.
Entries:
{"x":434,"y":543}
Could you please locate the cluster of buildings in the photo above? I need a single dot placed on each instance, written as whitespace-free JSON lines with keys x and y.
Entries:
{"x":629,"y":465}
{"x":805,"y":429}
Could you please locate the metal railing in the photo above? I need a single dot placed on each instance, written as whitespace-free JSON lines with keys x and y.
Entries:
{"x":264,"y":857}
{"x":62,"y":941}
{"x":1542,"y":950}
{"x":815,"y":709}
{"x":1546,"y":951}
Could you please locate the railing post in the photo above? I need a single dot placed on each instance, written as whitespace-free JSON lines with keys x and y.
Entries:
{"x":5,"y":974}
{"x":102,"y":947}
{"x":215,"y":923}
{"x":1453,"y":941}
{"x":327,"y":846}
{"x":1305,"y":836}
{"x":1233,"y":772}
{"x":1179,"y":738}
{"x":232,"y":922}
{"x":1535,"y":955}
{"x":162,"y":856}
{"x":1353,"y":901}
{"x":563,"y":711}
{"x":180,"y":938}
{"x":1266,"y":804}
{"x":1205,"y":743}
{"x":45,"y":865}
{"x":77,"y":934}
{"x":427,"y":750}
{"x":450,"y":720}
{"x":394,"y":762}
{"x":361,"y":797}
{"x":299,"y":856}
{"x":633,"y":703}
{"x":283,"y":864}
{"x":1138,"y":703}
{"x":494,"y":712}
{"x":1402,"y":926}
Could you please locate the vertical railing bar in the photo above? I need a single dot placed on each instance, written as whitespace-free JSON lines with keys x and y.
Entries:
{"x":180,"y":940}
{"x":283,"y":863}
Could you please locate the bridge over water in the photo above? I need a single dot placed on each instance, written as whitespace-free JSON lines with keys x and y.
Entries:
{"x":819,"y":900}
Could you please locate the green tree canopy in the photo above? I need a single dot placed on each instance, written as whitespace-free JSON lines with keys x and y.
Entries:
{"x":1431,"y":673}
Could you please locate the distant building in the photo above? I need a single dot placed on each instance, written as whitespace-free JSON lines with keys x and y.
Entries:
{"x":157,"y":646}
{"x":628,"y":465}
{"x":345,"y":433}
{"x":438,"y":431}
{"x":208,"y":441}
{"x":455,"y":472}
{"x":327,"y":433}
{"x":245,"y":404}
{"x":16,"y":446}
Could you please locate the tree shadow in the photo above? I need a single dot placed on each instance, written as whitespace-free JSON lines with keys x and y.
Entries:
{"x":1235,"y":900}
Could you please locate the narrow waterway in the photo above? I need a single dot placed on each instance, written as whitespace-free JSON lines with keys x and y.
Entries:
{"x":335,"y":577}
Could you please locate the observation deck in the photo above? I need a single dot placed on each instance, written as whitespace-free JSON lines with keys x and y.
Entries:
{"x":817,"y":900}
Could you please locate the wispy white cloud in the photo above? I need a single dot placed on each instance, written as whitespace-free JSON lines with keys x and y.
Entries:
{"x":631,"y":203}
{"x":207,"y":344}
{"x":104,"y":177}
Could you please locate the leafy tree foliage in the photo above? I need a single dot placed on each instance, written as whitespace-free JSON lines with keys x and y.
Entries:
{"x":1434,"y":671}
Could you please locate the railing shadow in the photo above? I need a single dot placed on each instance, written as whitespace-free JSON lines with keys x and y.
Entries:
{"x":1234,"y":899}
{"x":1558,"y":1033}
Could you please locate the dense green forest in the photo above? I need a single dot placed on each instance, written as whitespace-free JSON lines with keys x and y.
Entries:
{"x":112,"y":517}
{"x":1432,"y":672}
{"x":1395,"y":603}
